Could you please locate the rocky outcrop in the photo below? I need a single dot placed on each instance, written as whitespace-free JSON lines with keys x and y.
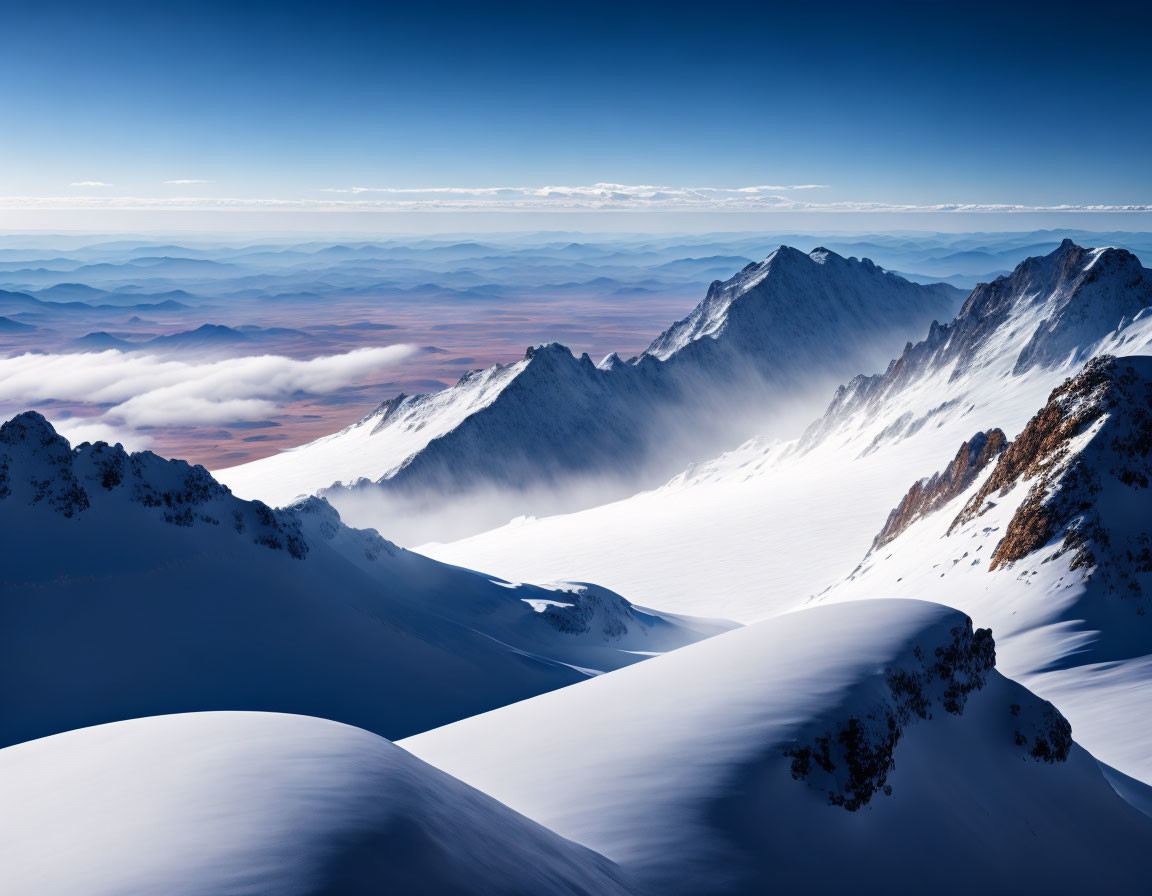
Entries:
{"x":1093,"y":435}
{"x":590,"y":609}
{"x":39,"y":468}
{"x":851,"y":760}
{"x":930,"y":494}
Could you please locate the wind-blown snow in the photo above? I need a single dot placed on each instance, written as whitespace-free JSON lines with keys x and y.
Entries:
{"x":775,"y":334}
{"x":357,"y":452}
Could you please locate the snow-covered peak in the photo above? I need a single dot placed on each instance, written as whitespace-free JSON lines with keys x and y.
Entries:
{"x":808,"y":282}
{"x":1052,"y":312}
{"x":779,"y":332}
{"x":1068,"y":299}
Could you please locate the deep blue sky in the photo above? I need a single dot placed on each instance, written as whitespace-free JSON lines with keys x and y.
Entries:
{"x":922,"y":103}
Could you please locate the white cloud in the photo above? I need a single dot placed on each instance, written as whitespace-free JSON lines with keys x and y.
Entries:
{"x":89,"y":183}
{"x":81,"y":429}
{"x":189,"y":180}
{"x":600,"y":191}
{"x":149,"y":390}
{"x":590,"y":197}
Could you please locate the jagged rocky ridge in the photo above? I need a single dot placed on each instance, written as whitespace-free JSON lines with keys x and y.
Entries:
{"x":38,"y":466}
{"x":1050,"y":311}
{"x":759,"y":339}
{"x":928,"y":495}
{"x":1085,"y":458}
{"x":131,"y":585}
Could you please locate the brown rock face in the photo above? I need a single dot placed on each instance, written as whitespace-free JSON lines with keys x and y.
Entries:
{"x":1116,"y":398}
{"x":929,"y":495}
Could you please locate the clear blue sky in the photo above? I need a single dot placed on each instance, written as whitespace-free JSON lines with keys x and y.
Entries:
{"x":912,"y":103}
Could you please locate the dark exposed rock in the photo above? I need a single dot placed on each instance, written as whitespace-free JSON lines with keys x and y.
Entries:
{"x":851,"y":762}
{"x":1053,"y":741}
{"x":1109,"y":404}
{"x":1051,"y":733}
{"x":928,"y":495}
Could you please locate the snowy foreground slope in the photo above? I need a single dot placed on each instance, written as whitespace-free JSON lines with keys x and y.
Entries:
{"x":786,"y":328}
{"x":131,"y":585}
{"x":864,"y":744}
{"x":251,"y":803}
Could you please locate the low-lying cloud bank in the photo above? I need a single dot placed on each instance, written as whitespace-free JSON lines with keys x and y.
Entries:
{"x":138,"y":391}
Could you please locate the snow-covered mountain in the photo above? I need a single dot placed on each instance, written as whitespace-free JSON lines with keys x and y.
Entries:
{"x":769,"y":523}
{"x":766,"y":527}
{"x":1052,"y":312}
{"x":779,"y":331}
{"x":793,"y":313}
{"x":255,"y":803}
{"x":1050,"y":542}
{"x":132,"y":585}
{"x":853,"y":743}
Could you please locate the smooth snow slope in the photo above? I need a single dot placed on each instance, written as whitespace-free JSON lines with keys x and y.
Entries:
{"x":779,"y":330}
{"x":131,"y":585}
{"x":207,"y":804}
{"x":703,"y":771}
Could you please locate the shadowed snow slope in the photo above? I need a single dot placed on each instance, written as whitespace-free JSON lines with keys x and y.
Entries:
{"x":131,"y":585}
{"x":778,"y":330}
{"x":865,"y":742}
{"x":252,"y":803}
